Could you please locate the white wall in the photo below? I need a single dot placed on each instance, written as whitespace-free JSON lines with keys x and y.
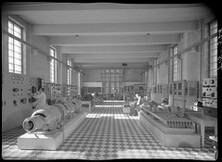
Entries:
{"x":191,"y":59}
{"x":39,"y":64}
{"x":92,"y":84}
{"x":162,"y":76}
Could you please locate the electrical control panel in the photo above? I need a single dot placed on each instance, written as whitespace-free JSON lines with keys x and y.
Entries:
{"x":212,"y":82}
{"x":179,"y":87}
{"x":209,"y":92}
{"x":65,"y":92}
{"x":53,"y":92}
{"x":17,"y":101}
{"x":192,"y":88}
{"x":73,"y":90}
{"x":56,"y":90}
{"x":185,"y":93}
{"x":210,"y":102}
{"x":16,"y":98}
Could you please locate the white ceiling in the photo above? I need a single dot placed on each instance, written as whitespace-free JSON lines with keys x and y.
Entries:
{"x":101,"y":34}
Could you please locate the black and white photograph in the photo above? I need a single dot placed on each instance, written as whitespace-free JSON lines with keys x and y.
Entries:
{"x":110,"y":81}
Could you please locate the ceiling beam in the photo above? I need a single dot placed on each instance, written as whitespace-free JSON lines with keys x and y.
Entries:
{"x":110,"y":60}
{"x":113,"y":49}
{"x":114,"y":28}
{"x":111,"y":65}
{"x":115,"y":55}
{"x":114,"y":39}
{"x":44,"y":6}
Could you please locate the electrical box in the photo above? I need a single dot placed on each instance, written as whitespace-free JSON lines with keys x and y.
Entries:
{"x":210,"y":102}
{"x":16,"y":98}
{"x":212,"y":82}
{"x":185,"y":93}
{"x":209,"y":92}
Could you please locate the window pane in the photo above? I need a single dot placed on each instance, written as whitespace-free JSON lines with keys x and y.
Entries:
{"x":214,"y":66}
{"x":11,"y":60}
{"x":17,"y":29}
{"x":10,"y":46}
{"x":18,"y":62}
{"x":10,"y":54}
{"x":10,"y":25}
{"x":10,"y":40}
{"x":17,"y":55}
{"x":11,"y":67}
{"x":17,"y":67}
{"x":17,"y":43}
{"x":17,"y":49}
{"x":10,"y":28}
{"x":17,"y":34}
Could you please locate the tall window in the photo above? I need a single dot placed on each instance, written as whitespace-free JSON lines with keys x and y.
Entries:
{"x":69,"y":72}
{"x":155,"y":73}
{"x":79,"y":83}
{"x":213,"y":50}
{"x":112,"y":82}
{"x":175,"y":63}
{"x":15,"y":51}
{"x":53,"y":66}
{"x":171,"y":67}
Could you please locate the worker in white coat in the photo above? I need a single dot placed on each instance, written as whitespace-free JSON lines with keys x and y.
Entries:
{"x":40,"y":99}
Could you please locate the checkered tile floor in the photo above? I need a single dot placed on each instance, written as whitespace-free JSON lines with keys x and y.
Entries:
{"x":107,"y":133}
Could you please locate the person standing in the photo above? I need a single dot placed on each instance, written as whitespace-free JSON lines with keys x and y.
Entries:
{"x":135,"y":108}
{"x":40,"y":97}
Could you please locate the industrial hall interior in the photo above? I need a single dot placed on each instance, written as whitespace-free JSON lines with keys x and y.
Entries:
{"x":107,"y":81}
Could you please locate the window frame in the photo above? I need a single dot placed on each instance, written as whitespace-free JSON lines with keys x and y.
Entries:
{"x":213,"y":71}
{"x":112,"y":79}
{"x":21,"y":52}
{"x":174,"y":63}
{"x":69,"y":72}
{"x":53,"y":79}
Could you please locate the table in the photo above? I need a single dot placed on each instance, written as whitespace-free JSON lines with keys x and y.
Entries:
{"x":203,"y":121}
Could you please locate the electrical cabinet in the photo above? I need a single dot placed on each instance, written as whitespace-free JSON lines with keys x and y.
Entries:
{"x":16,"y":98}
{"x":209,"y":92}
{"x":185,"y":93}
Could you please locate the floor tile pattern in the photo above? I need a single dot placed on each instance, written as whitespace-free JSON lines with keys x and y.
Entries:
{"x":107,"y":133}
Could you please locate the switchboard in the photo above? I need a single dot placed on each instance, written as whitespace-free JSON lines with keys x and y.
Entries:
{"x":16,"y":98}
{"x":160,"y":91}
{"x":209,"y":92}
{"x":185,"y":93}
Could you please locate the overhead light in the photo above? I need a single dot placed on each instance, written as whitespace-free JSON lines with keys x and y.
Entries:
{"x":77,"y":36}
{"x":124,"y":64}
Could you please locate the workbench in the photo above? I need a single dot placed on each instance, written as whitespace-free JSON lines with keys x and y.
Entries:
{"x":203,"y":121}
